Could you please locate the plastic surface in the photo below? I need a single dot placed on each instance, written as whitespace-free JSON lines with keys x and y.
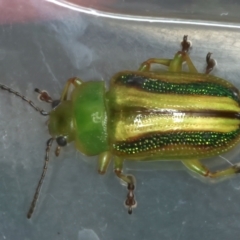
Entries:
{"x":44,"y":50}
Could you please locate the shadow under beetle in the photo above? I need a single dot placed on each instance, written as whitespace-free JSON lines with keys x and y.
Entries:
{"x":146,"y":115}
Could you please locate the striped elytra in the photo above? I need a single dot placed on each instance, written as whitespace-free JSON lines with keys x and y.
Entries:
{"x":172,"y":115}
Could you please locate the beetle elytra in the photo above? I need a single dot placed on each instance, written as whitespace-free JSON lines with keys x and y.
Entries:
{"x":146,"y":115}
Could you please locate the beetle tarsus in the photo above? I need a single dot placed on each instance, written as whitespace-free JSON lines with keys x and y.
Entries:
{"x":186,"y":44}
{"x":130,"y":201}
{"x":43,"y":96}
{"x":130,"y":210}
{"x":211,"y":63}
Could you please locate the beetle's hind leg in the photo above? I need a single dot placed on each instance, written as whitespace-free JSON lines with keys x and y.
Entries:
{"x":211,"y":63}
{"x":129,"y":180}
{"x":197,"y":167}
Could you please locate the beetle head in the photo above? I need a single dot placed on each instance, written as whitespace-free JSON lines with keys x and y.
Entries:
{"x":61,"y":124}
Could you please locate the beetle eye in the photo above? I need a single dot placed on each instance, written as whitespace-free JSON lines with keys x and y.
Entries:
{"x":61,"y":141}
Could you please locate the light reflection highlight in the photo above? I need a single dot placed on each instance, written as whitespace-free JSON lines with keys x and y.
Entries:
{"x":90,"y":11}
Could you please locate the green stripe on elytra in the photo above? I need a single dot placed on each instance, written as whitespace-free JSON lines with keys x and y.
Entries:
{"x":159,"y":140}
{"x":161,"y":86}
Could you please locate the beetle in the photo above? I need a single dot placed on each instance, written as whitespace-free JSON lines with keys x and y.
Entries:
{"x":146,"y":115}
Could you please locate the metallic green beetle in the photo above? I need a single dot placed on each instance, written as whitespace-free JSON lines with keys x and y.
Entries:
{"x":147,"y":115}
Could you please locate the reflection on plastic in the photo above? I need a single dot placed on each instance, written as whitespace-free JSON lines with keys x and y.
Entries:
{"x":78,"y":8}
{"x":87,"y":234}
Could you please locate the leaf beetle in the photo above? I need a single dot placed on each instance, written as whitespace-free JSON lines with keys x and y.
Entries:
{"x":146,"y":115}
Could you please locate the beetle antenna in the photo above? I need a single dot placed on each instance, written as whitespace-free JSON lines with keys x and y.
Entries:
{"x":45,"y":167}
{"x":41,"y":111}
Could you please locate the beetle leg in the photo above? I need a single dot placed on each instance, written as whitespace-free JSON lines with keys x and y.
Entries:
{"x":103,"y":162}
{"x":211,"y":63}
{"x":186,"y":44}
{"x":178,"y":60}
{"x":145,"y":66}
{"x":175,"y":65}
{"x":191,"y":67}
{"x":130,"y":202}
{"x":43,"y":95}
{"x":197,"y":167}
{"x":72,"y":81}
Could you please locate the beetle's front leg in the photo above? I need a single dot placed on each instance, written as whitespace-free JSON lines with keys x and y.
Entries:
{"x":72,"y":81}
{"x":129,"y":180}
{"x":197,"y":167}
{"x":43,"y":95}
